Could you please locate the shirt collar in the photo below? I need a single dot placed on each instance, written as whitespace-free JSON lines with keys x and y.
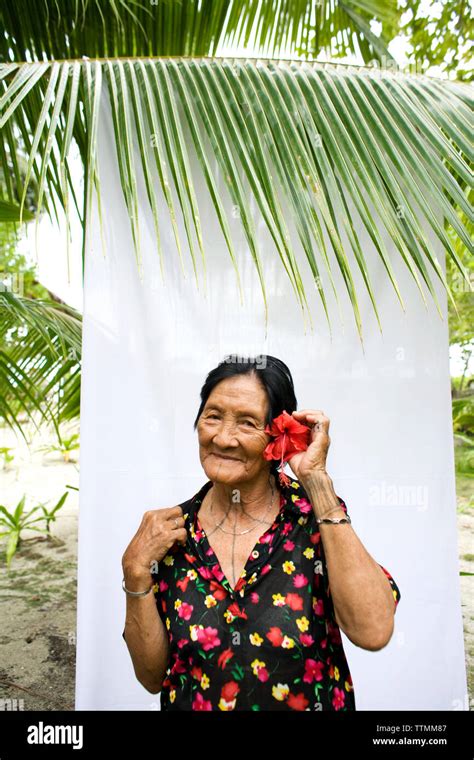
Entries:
{"x":296,"y":501}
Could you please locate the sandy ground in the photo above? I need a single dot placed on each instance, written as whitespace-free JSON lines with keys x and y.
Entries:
{"x":38,"y":596}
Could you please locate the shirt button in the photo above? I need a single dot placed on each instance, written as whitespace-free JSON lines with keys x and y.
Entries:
{"x":255,"y":554}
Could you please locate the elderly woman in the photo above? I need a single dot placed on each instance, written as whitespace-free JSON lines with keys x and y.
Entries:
{"x":253,"y":579}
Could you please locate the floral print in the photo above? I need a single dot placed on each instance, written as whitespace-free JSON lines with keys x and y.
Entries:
{"x":272,"y":643}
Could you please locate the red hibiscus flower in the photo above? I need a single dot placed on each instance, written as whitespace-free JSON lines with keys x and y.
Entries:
{"x":297,"y":702}
{"x":289,"y":437}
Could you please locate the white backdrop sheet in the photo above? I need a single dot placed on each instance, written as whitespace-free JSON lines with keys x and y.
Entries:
{"x":147,"y":348}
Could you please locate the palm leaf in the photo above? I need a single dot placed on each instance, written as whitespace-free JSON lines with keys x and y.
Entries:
{"x":113,"y":28}
{"x":10,"y":212}
{"x":323,"y":137}
{"x":40,"y":351}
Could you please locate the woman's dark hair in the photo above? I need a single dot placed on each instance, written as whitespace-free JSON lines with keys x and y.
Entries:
{"x":273,"y":374}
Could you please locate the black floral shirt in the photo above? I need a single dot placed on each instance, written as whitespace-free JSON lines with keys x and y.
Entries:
{"x":272,"y":643}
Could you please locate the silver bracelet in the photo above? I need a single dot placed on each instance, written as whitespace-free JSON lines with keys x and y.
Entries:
{"x":136,"y":593}
{"x":333,"y":520}
{"x":334,"y":509}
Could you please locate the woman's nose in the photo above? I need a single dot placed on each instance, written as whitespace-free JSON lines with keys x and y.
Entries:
{"x":226,"y":433}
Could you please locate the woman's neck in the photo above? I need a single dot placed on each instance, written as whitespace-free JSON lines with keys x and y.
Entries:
{"x":241,"y":500}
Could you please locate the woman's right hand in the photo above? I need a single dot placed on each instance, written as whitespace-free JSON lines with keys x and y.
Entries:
{"x":159,"y":530}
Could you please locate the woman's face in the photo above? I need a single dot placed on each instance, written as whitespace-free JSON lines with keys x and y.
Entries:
{"x":231,"y":430}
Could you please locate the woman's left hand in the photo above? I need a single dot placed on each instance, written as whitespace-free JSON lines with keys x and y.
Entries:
{"x":312,"y":462}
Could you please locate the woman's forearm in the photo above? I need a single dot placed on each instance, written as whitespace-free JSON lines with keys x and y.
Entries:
{"x":362,"y":595}
{"x":146,"y":636}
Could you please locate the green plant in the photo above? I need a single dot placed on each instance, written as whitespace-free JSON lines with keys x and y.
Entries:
{"x":16,"y":522}
{"x":464,"y":459}
{"x":40,"y":361}
{"x":50,"y":515}
{"x":463,"y":416}
{"x":7,"y":457}
{"x":65,"y":446}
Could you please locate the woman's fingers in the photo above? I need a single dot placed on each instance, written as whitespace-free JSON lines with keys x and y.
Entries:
{"x":312,"y":417}
{"x":175,"y":518}
{"x":170,"y":512}
{"x":181,"y":535}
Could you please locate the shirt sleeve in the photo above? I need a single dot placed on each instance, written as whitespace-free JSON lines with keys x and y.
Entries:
{"x":395,"y":590}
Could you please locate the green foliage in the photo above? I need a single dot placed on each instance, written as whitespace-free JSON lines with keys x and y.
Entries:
{"x":464,"y":461}
{"x":64,"y":447}
{"x":13,"y":524}
{"x":40,"y":353}
{"x":463,"y":416}
{"x":442,"y":35}
{"x":17,"y":273}
{"x":50,"y":515}
{"x":107,"y":28}
{"x":302,"y":131}
{"x":6,"y":456}
{"x":463,"y":426}
{"x":10,"y":212}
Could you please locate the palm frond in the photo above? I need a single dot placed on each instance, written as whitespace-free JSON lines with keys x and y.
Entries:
{"x":64,"y":29}
{"x":325,"y":137}
{"x":40,"y":352}
{"x":11,"y":212}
